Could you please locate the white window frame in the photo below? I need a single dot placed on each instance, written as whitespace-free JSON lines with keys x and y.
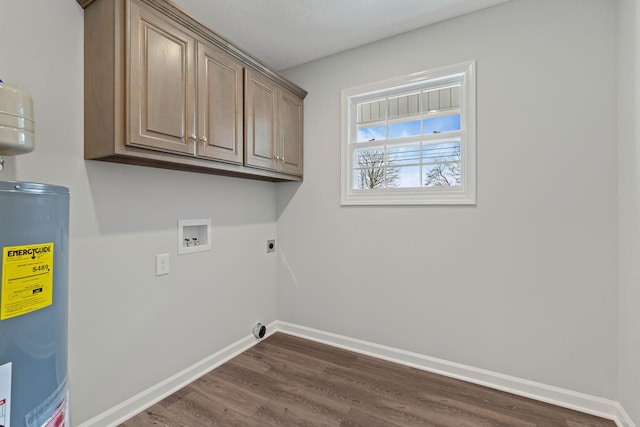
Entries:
{"x":464,"y":194}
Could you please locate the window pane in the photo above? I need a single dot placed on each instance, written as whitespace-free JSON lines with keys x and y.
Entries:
{"x":371,"y":111}
{"x":403,"y":155}
{"x":442,"y":124}
{"x":410,"y":128}
{"x":369,"y":158}
{"x":443,"y":152}
{"x":404,"y":177}
{"x":404,"y":105}
{"x":368,"y":178}
{"x":441,"y":175}
{"x":441,"y":99}
{"x":362,"y":181}
{"x":372,"y":133}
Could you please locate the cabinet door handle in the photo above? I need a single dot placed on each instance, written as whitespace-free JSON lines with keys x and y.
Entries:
{"x":203,"y":140}
{"x":192,"y":137}
{"x":277,"y":157}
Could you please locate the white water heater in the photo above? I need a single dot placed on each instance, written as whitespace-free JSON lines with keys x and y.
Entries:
{"x":34,"y":240}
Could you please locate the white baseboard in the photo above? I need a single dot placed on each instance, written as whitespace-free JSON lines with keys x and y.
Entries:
{"x":604,"y":408}
{"x":622,"y":418}
{"x":156,"y":393}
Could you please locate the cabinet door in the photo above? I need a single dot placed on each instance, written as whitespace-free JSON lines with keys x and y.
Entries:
{"x":260,"y":120}
{"x":161,"y":83}
{"x":290,"y":138}
{"x":220,"y":133}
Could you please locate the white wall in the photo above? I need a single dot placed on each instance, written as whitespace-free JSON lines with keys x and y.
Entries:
{"x":629,"y":205}
{"x":525,"y":282}
{"x":130,"y":330}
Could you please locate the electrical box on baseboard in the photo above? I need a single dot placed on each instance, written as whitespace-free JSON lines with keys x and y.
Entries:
{"x":194,"y":235}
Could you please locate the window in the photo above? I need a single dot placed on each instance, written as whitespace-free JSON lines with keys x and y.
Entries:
{"x":411,"y":140}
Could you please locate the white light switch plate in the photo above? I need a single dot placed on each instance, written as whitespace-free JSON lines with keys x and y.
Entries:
{"x":162,"y":264}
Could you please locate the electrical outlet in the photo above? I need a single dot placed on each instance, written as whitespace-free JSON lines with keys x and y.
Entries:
{"x":271,"y":246}
{"x":162,"y":264}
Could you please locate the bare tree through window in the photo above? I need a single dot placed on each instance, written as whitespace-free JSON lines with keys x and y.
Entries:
{"x":444,"y":174}
{"x":376,"y":171}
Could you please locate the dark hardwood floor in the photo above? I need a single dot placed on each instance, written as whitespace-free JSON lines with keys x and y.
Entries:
{"x":288,"y":381}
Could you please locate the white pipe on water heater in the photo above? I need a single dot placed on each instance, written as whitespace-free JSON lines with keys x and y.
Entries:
{"x":17,"y":125}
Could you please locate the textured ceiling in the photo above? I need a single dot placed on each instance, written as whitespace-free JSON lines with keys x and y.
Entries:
{"x":284,"y":33}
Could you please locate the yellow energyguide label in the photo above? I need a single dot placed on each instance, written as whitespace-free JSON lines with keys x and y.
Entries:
{"x":27,"y":279}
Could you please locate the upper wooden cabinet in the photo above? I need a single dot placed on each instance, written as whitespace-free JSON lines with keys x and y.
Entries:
{"x":220,"y":101}
{"x":274,"y":125}
{"x":161,"y":84}
{"x":163,"y":90}
{"x":261,"y":96}
{"x":291,"y":119}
